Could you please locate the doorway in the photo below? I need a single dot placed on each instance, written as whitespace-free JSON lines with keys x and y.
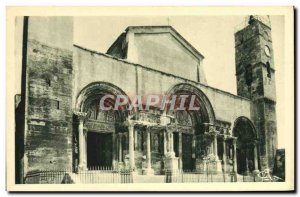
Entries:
{"x":99,"y":149}
{"x":187,"y":160}
{"x":246,"y":136}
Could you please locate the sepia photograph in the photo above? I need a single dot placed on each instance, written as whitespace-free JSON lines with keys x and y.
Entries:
{"x":122,"y":100}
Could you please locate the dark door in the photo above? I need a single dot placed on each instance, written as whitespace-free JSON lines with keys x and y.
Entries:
{"x":245,"y":160}
{"x":99,"y":149}
{"x":176,"y":144}
{"x":187,"y":160}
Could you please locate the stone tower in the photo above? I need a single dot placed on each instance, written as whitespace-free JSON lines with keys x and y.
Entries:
{"x":255,"y":75}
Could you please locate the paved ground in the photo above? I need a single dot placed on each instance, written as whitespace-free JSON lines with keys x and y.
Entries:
{"x":149,"y":178}
{"x":100,"y":177}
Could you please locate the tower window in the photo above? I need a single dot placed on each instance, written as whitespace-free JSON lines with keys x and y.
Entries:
{"x":48,"y":81}
{"x":248,"y":75}
{"x":268,"y":69}
{"x":55,"y":104}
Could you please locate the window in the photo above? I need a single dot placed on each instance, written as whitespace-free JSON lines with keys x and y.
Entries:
{"x":48,"y":82}
{"x":268,"y":69}
{"x":47,"y":79}
{"x":55,"y":104}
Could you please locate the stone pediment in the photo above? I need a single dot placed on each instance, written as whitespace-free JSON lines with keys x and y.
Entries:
{"x":172,"y":36}
{"x":159,"y":48}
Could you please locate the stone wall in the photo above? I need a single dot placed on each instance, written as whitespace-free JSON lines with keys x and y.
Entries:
{"x":91,"y":67}
{"x":256,"y":81}
{"x":48,"y":141}
{"x":48,"y":109}
{"x":163,"y":52}
{"x":160,"y":48}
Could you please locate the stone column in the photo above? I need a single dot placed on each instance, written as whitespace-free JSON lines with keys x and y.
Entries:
{"x":180,"y":150}
{"x":120,"y":148}
{"x":234,"y":157}
{"x":211,"y":132}
{"x":135,"y":139}
{"x":85,"y":130}
{"x":193,"y":146}
{"x":230,"y":153}
{"x":171,"y":142}
{"x":247,"y":161}
{"x":131,"y":146}
{"x":211,"y":147}
{"x":114,"y":150}
{"x":149,"y":168}
{"x":165,"y":142}
{"x":81,"y":138}
{"x":168,"y":141}
{"x":224,"y":155}
{"x":256,"y":171}
{"x":215,"y":146}
{"x":171,"y":162}
{"x":218,"y":162}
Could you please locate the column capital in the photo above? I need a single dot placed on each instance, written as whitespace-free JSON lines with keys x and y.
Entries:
{"x":80,"y":115}
{"x":85,"y":130}
{"x":130,"y":122}
{"x":213,"y":132}
{"x":148,"y":129}
{"x":225,"y":137}
{"x":228,"y":131}
{"x":169,"y":131}
{"x":234,"y":139}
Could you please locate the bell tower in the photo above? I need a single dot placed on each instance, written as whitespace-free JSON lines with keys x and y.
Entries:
{"x":255,"y":76}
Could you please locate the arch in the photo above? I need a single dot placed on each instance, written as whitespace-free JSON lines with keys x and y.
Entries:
{"x":192,"y":139}
{"x":101,"y":125}
{"x":206,"y":108}
{"x":247,"y":124}
{"x":246,"y":135}
{"x":95,"y":89}
{"x":89,"y":94}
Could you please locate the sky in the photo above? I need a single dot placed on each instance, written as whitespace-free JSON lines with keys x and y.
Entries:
{"x":212,"y":36}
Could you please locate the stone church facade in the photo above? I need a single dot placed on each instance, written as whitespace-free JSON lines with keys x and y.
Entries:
{"x":59,"y":124}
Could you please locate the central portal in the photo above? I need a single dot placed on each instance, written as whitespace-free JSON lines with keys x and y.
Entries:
{"x":187,"y":152}
{"x":99,"y":149}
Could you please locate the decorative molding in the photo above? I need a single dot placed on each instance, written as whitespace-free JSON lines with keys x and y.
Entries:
{"x":80,"y":115}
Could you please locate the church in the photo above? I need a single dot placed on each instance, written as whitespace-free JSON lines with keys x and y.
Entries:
{"x":59,"y":123}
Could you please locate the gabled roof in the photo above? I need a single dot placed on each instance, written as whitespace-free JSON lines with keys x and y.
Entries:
{"x":154,"y":30}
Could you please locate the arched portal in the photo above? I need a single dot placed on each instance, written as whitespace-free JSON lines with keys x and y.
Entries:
{"x":105,"y":134}
{"x":190,"y":143}
{"x":247,"y":157}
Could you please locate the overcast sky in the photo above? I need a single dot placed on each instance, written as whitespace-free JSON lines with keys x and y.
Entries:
{"x":212,"y":36}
